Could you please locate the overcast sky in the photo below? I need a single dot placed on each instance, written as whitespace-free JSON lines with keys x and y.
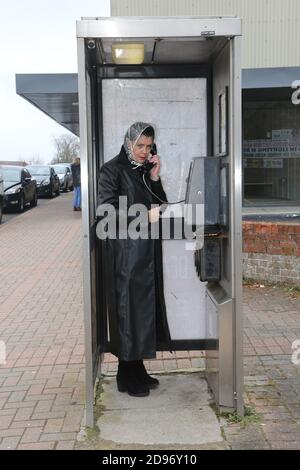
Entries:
{"x":36,"y":37}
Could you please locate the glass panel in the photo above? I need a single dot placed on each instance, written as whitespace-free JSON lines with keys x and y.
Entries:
{"x":12,"y":176}
{"x":178,"y":110}
{"x":271,"y":151}
{"x":39,"y":170}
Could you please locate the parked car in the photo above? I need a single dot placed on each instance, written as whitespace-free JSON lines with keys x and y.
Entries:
{"x":19,"y":187}
{"x":47,"y":180}
{"x":63,"y":171}
{"x":1,"y":196}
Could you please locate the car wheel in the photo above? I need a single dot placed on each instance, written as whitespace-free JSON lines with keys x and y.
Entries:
{"x":71,"y":188}
{"x":51,"y":190}
{"x":33,"y":203}
{"x":57,"y":192}
{"x":1,"y":213}
{"x":21,"y":204}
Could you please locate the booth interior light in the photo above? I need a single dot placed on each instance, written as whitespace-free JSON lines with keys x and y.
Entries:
{"x":128,"y":53}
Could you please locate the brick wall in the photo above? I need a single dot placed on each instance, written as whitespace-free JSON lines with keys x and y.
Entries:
{"x":271,"y":251}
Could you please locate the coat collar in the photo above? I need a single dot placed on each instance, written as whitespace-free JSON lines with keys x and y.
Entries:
{"x":123,"y":160}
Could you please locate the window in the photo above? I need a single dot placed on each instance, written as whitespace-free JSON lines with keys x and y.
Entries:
{"x":271,"y":148}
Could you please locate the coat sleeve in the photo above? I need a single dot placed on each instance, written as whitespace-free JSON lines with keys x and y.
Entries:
{"x":108,"y":187}
{"x":158,"y":189}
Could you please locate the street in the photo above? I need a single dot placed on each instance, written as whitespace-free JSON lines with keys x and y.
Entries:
{"x":42,"y":381}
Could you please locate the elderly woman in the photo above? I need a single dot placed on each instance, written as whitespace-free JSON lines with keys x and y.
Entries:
{"x":138,"y":324}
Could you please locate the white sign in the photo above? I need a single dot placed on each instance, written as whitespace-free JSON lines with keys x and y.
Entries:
{"x":282,"y":134}
{"x":271,"y":148}
{"x":263,"y":162}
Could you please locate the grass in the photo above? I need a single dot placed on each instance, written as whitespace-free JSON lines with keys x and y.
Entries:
{"x":93,"y":433}
{"x":293,"y":291}
{"x":249,"y":417}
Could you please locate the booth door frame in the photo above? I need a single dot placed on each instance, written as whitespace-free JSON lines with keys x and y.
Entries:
{"x":91,"y":160}
{"x":163,"y":72}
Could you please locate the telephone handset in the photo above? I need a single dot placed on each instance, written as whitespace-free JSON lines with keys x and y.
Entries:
{"x":149,"y":165}
{"x":147,"y":168}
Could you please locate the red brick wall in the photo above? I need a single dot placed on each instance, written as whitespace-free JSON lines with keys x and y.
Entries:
{"x":271,"y":238}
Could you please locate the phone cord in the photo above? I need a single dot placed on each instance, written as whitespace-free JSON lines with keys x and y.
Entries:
{"x":164,"y":202}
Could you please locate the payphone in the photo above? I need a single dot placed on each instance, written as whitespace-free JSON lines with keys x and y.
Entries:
{"x":187,"y":83}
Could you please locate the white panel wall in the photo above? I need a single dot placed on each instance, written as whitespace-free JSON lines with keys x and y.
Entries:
{"x":178,"y":110}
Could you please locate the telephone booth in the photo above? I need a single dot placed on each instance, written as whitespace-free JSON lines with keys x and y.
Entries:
{"x":184,"y":76}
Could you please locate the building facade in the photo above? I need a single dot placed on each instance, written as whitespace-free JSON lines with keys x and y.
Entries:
{"x":271,"y":88}
{"x":270,"y":124}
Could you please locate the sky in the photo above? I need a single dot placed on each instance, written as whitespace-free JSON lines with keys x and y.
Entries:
{"x":36,"y":36}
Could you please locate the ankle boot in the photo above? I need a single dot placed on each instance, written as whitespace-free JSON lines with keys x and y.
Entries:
{"x":127,"y":380}
{"x":144,"y":377}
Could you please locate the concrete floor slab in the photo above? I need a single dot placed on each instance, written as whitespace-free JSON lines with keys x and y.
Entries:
{"x":173,"y":391}
{"x":178,"y":412}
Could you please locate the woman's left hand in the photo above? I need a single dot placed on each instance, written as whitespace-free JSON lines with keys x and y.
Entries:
{"x":154,"y":173}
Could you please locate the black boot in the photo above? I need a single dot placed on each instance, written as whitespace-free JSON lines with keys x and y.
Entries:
{"x":127,"y":380}
{"x":144,"y":377}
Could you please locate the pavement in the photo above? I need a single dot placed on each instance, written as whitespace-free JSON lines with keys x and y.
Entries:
{"x":42,"y":381}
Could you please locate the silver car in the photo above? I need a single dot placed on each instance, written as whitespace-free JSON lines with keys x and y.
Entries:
{"x":63,"y":171}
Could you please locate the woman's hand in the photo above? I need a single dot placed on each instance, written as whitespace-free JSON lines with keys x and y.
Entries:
{"x":153,"y":215}
{"x":154,"y":173}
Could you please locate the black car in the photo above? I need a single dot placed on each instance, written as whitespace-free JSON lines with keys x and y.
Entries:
{"x":19,"y":187}
{"x":47,"y":180}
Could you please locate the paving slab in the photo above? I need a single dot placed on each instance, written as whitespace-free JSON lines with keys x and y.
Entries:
{"x":178,"y":412}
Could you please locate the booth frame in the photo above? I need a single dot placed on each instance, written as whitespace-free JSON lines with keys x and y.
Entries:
{"x":131,"y":28}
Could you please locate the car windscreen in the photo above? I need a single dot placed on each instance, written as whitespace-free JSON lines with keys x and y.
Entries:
{"x":39,"y":170}
{"x":11,"y":175}
{"x":59,"y":169}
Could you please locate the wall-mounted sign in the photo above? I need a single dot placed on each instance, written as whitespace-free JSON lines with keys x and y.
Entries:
{"x":263,"y":162}
{"x":288,"y":147}
{"x":282,"y":134}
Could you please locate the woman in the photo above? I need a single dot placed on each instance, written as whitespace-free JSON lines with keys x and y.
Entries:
{"x":138,"y":324}
{"x":75,"y":169}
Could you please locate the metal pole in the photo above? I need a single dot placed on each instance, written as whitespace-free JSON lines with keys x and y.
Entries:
{"x":236,"y":197}
{"x":83,"y":125}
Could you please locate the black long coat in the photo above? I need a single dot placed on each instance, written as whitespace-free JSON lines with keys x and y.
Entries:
{"x":138,"y":324}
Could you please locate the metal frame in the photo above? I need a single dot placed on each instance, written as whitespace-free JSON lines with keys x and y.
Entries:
{"x":159,"y":71}
{"x":118,"y":28}
{"x":236,"y":215}
{"x":83,"y":126}
{"x":137,"y":27}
